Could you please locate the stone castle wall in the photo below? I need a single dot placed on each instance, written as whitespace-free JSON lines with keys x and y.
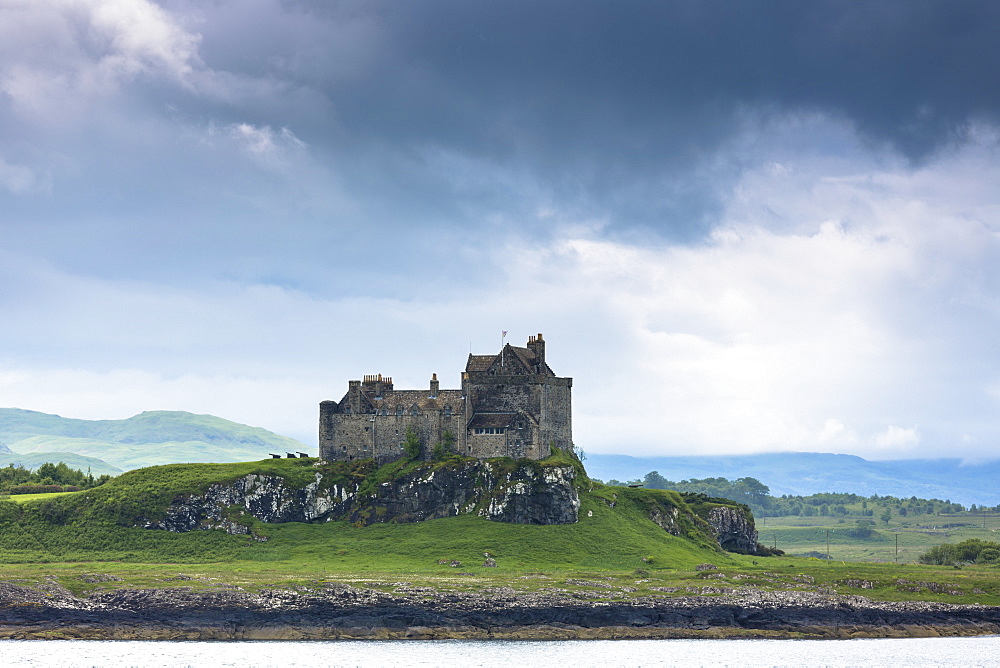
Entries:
{"x":513,"y":407}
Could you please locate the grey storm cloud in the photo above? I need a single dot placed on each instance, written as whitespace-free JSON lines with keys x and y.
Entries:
{"x":609,"y":110}
{"x":454,"y":118}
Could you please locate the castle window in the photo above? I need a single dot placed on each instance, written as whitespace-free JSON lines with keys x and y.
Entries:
{"x":399,"y":410}
{"x":414,"y":411}
{"x":490,"y":430}
{"x":447,"y":411}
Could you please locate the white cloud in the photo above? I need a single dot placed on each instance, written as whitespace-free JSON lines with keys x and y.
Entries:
{"x":264,"y":144}
{"x":897,"y":438}
{"x":20,"y":180}
{"x":56,"y":55}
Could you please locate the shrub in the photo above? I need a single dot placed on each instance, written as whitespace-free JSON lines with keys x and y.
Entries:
{"x":412,"y":445}
{"x":973,"y":550}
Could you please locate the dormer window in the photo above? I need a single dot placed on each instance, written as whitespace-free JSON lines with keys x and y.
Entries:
{"x":399,"y":410}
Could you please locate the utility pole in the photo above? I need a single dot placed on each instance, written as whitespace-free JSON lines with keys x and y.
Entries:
{"x":827,"y":543}
{"x":897,"y":549}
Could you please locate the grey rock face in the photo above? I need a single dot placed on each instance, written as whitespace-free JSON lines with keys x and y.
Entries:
{"x":734,"y":531}
{"x":526,"y":495}
{"x":666,"y":519}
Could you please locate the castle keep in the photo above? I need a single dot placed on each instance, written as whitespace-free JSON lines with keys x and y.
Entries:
{"x":511,"y":405}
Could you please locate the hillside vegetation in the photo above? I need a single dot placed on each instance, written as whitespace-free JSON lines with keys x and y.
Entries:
{"x":614,"y":530}
{"x":849,"y":526}
{"x":147,"y":439}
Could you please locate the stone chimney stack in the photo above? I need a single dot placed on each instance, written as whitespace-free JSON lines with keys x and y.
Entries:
{"x":537,"y":345}
{"x":354,"y":396}
{"x":435,"y":385}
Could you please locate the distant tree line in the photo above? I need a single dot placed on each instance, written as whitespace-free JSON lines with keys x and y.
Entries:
{"x":758,"y":496}
{"x":46,"y":478}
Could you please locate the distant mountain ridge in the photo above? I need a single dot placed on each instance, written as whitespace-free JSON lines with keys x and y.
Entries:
{"x":147,"y":439}
{"x":810,"y":473}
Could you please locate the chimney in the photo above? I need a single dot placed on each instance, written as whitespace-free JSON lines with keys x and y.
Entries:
{"x":435,"y":385}
{"x":354,"y":396}
{"x":537,"y":345}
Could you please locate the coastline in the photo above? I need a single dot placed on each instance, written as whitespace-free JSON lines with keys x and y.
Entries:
{"x":335,"y":611}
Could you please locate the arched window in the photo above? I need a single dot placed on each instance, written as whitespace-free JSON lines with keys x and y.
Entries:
{"x":399,"y":410}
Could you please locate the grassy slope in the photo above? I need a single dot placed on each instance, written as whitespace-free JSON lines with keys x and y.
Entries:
{"x":150,"y":438}
{"x":90,"y":525}
{"x":618,"y":544}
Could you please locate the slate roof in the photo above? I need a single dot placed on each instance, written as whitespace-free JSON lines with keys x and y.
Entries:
{"x":501,"y":420}
{"x":391,"y":399}
{"x":479,"y":362}
{"x":492,"y":420}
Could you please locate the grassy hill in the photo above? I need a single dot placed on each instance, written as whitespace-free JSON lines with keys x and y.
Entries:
{"x":614,"y":531}
{"x":147,"y":439}
{"x":614,"y":553}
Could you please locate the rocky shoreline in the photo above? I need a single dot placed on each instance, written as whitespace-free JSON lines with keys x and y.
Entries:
{"x":328,"y":611}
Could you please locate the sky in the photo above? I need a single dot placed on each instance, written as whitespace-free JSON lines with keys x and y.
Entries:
{"x":741,"y":226}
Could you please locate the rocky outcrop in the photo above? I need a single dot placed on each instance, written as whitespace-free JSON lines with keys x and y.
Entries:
{"x":340,"y":611}
{"x":522,"y":493}
{"x":665,"y":518}
{"x":734,"y":529}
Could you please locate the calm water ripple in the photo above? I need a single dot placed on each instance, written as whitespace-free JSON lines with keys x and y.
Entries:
{"x":981,"y":651}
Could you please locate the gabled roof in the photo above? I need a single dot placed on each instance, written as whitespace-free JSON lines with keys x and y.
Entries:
{"x":479,"y":362}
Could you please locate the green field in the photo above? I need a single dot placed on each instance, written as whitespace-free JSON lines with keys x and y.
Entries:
{"x":902,"y":539}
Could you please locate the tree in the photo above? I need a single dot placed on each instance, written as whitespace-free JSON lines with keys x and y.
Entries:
{"x":445,"y":447}
{"x":886,"y":515}
{"x":412,"y":445}
{"x":654,"y":480}
{"x":863,"y":528}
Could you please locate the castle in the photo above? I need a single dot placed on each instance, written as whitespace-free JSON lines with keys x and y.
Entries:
{"x":511,"y":405}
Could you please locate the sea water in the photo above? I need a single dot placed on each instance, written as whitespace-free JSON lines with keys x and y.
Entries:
{"x":978,"y":651}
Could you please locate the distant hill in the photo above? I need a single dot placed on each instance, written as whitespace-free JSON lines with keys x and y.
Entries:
{"x":147,"y":439}
{"x":810,"y":473}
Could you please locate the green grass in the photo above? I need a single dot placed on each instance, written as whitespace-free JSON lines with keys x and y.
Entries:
{"x":915,"y":535}
{"x":614,"y":531}
{"x":25,"y":498}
